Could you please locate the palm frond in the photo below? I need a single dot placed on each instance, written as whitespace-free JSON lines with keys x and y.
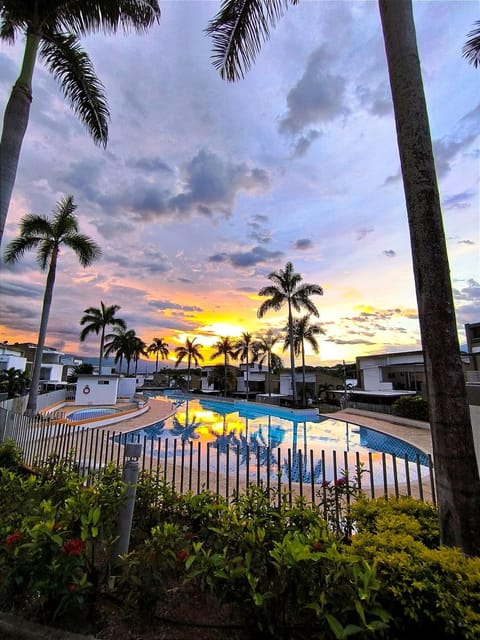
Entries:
{"x":72,"y":68}
{"x":238,"y":31}
{"x":18,"y":247}
{"x":90,"y":16}
{"x":85,"y":248}
{"x":471,"y":49}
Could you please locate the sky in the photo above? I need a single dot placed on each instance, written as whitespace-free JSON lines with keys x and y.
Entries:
{"x":206,"y":187}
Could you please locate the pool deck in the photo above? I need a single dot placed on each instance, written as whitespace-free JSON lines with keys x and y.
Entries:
{"x":157,"y":410}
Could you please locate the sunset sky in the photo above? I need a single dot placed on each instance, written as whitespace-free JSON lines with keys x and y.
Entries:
{"x":205,"y":187}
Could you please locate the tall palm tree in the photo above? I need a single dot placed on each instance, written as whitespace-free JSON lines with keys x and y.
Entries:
{"x":303,"y":331}
{"x":244,"y":350}
{"x":160,"y":348}
{"x":51,"y":30}
{"x":117,"y":343}
{"x":226,"y":348}
{"x":139,"y":348}
{"x":263,"y":351}
{"x":49,"y":235}
{"x":238,"y":31}
{"x":287,"y":289}
{"x":96,"y":321}
{"x":191,"y":351}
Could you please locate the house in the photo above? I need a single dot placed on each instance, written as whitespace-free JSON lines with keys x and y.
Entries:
{"x":11,"y":358}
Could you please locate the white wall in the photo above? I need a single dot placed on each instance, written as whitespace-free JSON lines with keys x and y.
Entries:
{"x":127,"y":387}
{"x":10,"y":360}
{"x":97,"y":390}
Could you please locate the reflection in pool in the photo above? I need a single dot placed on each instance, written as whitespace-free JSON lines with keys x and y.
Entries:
{"x":261,"y":443}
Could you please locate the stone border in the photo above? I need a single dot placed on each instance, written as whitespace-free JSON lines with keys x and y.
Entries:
{"x":13,"y":628}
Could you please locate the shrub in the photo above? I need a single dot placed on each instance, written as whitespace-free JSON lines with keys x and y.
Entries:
{"x":414,"y":407}
{"x":10,"y":455}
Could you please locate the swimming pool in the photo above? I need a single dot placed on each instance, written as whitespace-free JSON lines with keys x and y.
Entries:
{"x":94,"y":412}
{"x":273,"y":442}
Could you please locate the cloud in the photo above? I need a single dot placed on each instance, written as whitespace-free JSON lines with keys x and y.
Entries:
{"x":465,"y":242}
{"x":303,"y":143}
{"x":389,"y":253}
{"x":244,"y":259}
{"x":459,"y":200}
{"x":377,"y":100}
{"x":318,"y":96}
{"x":258,"y":229}
{"x":471,"y":292}
{"x":363,"y":232}
{"x":302,"y":244}
{"x":168,"y":304}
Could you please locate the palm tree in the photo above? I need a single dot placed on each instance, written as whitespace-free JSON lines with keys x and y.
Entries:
{"x":96,"y":320}
{"x":139,"y":348}
{"x":117,"y":343}
{"x":49,"y":235}
{"x":191,"y":351}
{"x":51,"y":30}
{"x":263,"y":347}
{"x":244,"y":349}
{"x":471,"y":50}
{"x":222,"y":379}
{"x":226,"y":348}
{"x":303,"y":331}
{"x":158,"y":347}
{"x":13,"y":382}
{"x":237,"y":31}
{"x":287,"y":289}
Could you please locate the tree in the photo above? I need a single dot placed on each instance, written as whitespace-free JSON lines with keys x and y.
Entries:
{"x":226,"y":348}
{"x":13,"y":382}
{"x":139,"y":348}
{"x":49,"y":235}
{"x":287,"y":290}
{"x":96,"y":321}
{"x":118,"y":343}
{"x":471,"y":50}
{"x":244,"y":349}
{"x":237,"y":31}
{"x":263,"y":347}
{"x":223,"y":379}
{"x":303,"y":331}
{"x":191,"y":351}
{"x":52,"y":30}
{"x":160,"y":348}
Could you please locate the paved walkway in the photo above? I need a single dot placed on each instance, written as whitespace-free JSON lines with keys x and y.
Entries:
{"x":158,"y":409}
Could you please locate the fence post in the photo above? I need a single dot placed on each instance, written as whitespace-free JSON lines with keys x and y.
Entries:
{"x":133,"y":451}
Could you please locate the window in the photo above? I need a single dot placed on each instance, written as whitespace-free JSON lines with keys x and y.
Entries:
{"x":104,"y":382}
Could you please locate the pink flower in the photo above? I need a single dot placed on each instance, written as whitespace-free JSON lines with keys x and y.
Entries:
{"x":72,"y":547}
{"x":340,"y":482}
{"x":13,"y":538}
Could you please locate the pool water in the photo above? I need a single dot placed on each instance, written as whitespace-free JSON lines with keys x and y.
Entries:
{"x":94,"y":412}
{"x":246,"y":430}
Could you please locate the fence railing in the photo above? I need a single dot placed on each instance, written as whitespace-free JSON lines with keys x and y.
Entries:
{"x":218,"y":466}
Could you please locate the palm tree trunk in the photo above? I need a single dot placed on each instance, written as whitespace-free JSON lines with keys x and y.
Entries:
{"x":456,"y":470}
{"x":189,"y":361}
{"x":304,"y":398}
{"x":102,"y":349}
{"x":225,"y":376}
{"x":37,"y":363}
{"x":248,"y":385}
{"x":292,"y":354}
{"x":15,"y":122}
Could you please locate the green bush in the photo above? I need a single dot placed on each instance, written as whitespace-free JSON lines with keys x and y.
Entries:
{"x":10,"y":455}
{"x":430,"y":591}
{"x":414,"y":407}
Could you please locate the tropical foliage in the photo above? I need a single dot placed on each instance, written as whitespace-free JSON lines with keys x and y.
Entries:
{"x":191,"y":352}
{"x":51,"y":31}
{"x":160,"y":348}
{"x":228,"y":349}
{"x":48,"y":235}
{"x":96,"y":320}
{"x":288,"y":289}
{"x":303,"y":331}
{"x":13,"y":382}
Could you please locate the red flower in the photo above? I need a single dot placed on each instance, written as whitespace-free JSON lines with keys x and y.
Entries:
{"x":13,"y":537}
{"x":72,"y":547}
{"x":72,"y":587}
{"x":340,"y":482}
{"x":325,"y":484}
{"x":318,"y":546}
{"x":182,"y":555}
